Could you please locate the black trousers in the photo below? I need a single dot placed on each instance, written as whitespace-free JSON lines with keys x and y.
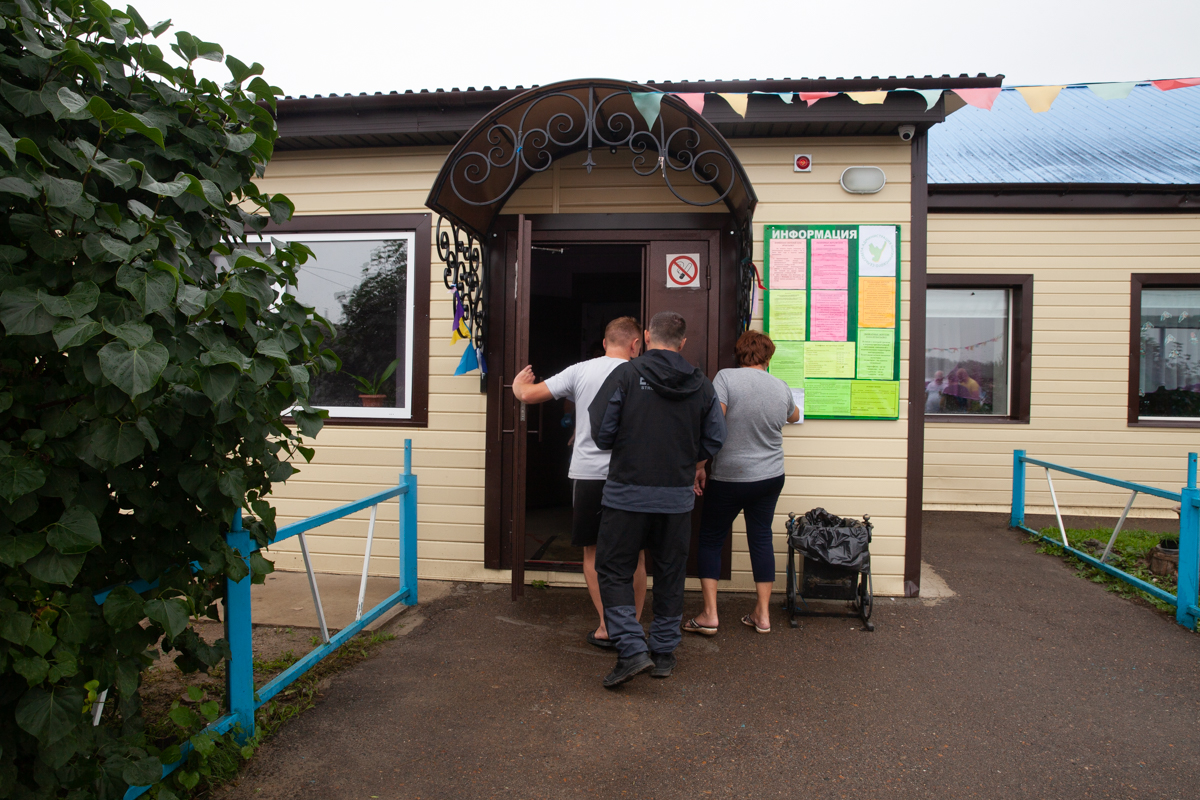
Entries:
{"x":623,"y":535}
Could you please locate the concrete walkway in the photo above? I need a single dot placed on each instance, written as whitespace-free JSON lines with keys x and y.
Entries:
{"x":1025,"y":682}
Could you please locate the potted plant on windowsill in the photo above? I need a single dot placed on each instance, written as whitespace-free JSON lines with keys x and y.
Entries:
{"x":369,"y":388}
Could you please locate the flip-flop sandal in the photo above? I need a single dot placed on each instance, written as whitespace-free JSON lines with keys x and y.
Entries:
{"x":605,"y":644}
{"x":749,"y":622}
{"x":691,"y":626}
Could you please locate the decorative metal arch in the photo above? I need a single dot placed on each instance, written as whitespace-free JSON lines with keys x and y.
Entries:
{"x":524,"y":136}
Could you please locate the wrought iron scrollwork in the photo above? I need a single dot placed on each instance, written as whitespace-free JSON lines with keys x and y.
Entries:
{"x":464,"y":275}
{"x":748,"y":281}
{"x":668,"y":152}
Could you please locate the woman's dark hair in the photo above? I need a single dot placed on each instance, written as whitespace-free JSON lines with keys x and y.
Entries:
{"x":753,"y":349}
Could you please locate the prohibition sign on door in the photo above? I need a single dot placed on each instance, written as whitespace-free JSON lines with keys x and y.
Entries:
{"x":683,"y":270}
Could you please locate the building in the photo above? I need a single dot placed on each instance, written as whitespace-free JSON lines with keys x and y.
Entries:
{"x":564,"y":215}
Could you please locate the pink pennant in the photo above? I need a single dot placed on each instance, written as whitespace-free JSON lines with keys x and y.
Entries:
{"x":695,"y":100}
{"x":980,"y":98}
{"x":812,"y":97}
{"x":1175,"y":83}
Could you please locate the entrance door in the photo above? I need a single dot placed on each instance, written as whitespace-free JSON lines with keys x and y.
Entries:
{"x":521,"y":441}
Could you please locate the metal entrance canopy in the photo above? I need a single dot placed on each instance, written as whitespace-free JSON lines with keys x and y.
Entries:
{"x":525,"y":135}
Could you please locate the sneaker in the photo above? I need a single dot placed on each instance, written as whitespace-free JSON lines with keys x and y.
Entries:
{"x":664,"y":664}
{"x":626,"y":668}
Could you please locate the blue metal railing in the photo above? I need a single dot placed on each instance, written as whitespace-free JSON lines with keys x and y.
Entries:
{"x":242,"y":699}
{"x":1186,"y":600}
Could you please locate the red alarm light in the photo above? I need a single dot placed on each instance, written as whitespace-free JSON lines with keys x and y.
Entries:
{"x":803,"y":163}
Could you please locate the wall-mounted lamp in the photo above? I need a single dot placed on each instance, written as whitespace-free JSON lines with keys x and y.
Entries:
{"x":863,"y":180}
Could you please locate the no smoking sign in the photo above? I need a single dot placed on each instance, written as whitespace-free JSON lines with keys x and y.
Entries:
{"x":683,"y":271}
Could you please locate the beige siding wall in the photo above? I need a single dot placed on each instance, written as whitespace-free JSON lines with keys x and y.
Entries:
{"x":849,"y":467}
{"x":1080,"y":372}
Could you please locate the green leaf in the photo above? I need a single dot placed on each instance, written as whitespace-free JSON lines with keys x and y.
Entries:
{"x":75,"y":332}
{"x":11,"y":255}
{"x":75,"y":532}
{"x":184,"y":717}
{"x":73,"y":102}
{"x":16,"y":550}
{"x":128,"y":121}
{"x":74,"y":623}
{"x":32,"y":668}
{"x":22,"y":313}
{"x":76,"y":303}
{"x":15,"y":626}
{"x":7,"y":145}
{"x":133,"y":371}
{"x":61,"y":192}
{"x":219,"y":382}
{"x":52,"y":566}
{"x":65,"y":666}
{"x":172,"y":188}
{"x":240,"y":71}
{"x":123,"y":608}
{"x":143,"y":772}
{"x":30,"y":148}
{"x":309,"y":422}
{"x":240,"y":141}
{"x":19,"y":476}
{"x":53,"y":248}
{"x":27,"y":102}
{"x":100,"y":109}
{"x":195,"y":694}
{"x":134,"y":334}
{"x":232,"y":484}
{"x":147,"y":429}
{"x":19,"y":186}
{"x":40,"y":639}
{"x":171,"y":614}
{"x":153,"y":289}
{"x":51,"y":714}
{"x":211,"y":710}
{"x":275,"y":347}
{"x":117,"y":442}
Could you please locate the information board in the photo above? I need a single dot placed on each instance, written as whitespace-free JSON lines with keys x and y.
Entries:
{"x":833,"y":308}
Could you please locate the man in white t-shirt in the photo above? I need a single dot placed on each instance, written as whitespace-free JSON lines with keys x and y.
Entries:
{"x":589,"y":464}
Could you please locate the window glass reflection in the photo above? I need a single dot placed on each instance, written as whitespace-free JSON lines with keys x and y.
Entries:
{"x":967,"y":351}
{"x":1169,"y":380}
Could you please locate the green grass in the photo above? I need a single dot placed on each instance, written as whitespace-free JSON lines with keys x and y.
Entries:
{"x":1128,"y":554}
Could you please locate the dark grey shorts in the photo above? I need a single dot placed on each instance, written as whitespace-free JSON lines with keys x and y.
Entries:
{"x":585,"y":520}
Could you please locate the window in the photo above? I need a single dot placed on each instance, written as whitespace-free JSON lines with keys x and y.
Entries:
{"x":365,"y":284}
{"x":1165,"y":350}
{"x":977,"y":333}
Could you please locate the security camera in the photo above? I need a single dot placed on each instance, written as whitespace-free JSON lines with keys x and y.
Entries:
{"x":907,"y":132}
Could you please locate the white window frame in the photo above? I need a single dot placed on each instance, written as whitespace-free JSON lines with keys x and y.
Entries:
{"x":352,"y":412}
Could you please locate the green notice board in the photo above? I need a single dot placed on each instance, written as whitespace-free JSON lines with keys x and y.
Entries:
{"x":833,"y":309}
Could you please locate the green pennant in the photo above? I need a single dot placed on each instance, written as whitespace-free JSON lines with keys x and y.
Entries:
{"x":649,"y":104}
{"x":1112,"y":91}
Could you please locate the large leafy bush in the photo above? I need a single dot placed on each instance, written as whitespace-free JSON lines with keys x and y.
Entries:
{"x":148,"y":356}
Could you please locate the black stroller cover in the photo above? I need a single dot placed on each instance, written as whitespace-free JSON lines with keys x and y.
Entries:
{"x":836,"y":541}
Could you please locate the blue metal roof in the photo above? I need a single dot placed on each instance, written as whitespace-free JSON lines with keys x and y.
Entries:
{"x":1150,"y":137}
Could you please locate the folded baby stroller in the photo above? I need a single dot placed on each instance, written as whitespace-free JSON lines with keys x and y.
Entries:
{"x":837,"y":564}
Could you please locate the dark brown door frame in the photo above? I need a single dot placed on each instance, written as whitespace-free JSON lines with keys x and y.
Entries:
{"x":500,"y":541}
{"x":918,"y":234}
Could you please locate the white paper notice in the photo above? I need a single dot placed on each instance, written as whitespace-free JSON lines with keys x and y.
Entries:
{"x":798,"y":396}
{"x":877,"y":251}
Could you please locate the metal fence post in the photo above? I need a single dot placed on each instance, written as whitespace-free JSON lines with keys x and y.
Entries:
{"x":1188,"y":591}
{"x":239,"y":671}
{"x":408,"y":528}
{"x":1018,"y":489}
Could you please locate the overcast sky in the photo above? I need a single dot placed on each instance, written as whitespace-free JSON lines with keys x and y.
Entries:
{"x":369,"y":45}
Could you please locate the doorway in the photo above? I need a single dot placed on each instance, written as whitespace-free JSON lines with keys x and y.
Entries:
{"x":574,"y":291}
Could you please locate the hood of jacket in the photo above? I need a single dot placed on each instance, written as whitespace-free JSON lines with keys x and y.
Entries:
{"x":669,"y":374}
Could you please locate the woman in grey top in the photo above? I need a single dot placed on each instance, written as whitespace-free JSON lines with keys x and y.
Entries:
{"x":747,"y":477}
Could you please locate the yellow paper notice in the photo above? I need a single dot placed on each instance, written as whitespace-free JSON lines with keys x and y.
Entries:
{"x":786,"y":315}
{"x":829,"y":360}
{"x":876,"y":302}
{"x":788,"y":363}
{"x":875,"y":399}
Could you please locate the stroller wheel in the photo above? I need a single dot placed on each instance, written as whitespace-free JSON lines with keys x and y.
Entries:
{"x":866,"y":599}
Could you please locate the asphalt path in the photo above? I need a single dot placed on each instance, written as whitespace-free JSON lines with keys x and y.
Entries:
{"x":1029,"y":682}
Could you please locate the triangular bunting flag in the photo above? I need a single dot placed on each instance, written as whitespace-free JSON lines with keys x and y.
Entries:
{"x":460,"y":332}
{"x":1039,"y":98}
{"x":468,"y":362}
{"x":812,"y":97}
{"x":980,"y":98}
{"x":737,"y":102}
{"x":649,"y":104}
{"x":784,"y":96}
{"x":868,"y":98}
{"x":1176,"y":83}
{"x":1112,"y":91}
{"x":695,"y":100}
{"x":931,"y":95}
{"x":482,"y":361}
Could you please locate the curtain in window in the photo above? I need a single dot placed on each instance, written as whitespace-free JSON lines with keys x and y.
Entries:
{"x":1169,"y":380}
{"x":967,"y":351}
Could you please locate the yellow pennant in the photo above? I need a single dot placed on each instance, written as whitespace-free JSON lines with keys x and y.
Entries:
{"x":1039,"y":98}
{"x":460,"y":332}
{"x":737,"y":102}
{"x":868,"y":98}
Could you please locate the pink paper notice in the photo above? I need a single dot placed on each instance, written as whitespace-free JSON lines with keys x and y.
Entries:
{"x":828,"y":316}
{"x":830,"y":264}
{"x":789,"y":264}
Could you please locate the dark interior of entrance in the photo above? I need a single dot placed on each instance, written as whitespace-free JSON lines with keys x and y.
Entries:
{"x":574,"y":291}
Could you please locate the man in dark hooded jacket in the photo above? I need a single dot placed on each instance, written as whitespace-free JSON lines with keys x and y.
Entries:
{"x":660,"y":417}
